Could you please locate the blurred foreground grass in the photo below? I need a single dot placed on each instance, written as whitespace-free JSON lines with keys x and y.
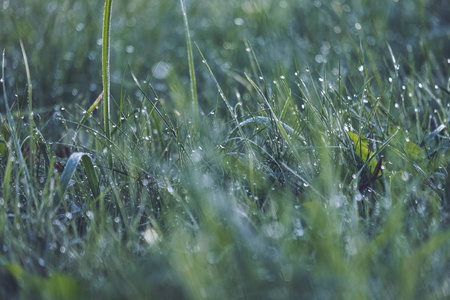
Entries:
{"x":318,"y":167}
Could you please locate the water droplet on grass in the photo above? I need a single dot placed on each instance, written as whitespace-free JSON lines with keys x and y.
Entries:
{"x":170,"y":189}
{"x":298,"y":229}
{"x":151,"y":236}
{"x":129,"y":49}
{"x":80,"y":27}
{"x":90,"y":215}
{"x":239,"y":21}
{"x":212,"y":258}
{"x":405,"y":176}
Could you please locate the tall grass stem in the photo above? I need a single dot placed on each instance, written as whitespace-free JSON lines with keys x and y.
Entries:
{"x":106,"y":72}
{"x":190,"y":60}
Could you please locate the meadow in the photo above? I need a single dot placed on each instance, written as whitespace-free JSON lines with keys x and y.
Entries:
{"x":253,"y":149}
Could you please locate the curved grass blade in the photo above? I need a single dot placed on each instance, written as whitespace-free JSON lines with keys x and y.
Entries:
{"x":90,"y":110}
{"x":69,"y":171}
{"x":268,"y":122}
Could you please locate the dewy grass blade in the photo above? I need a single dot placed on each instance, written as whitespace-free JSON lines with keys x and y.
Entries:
{"x":30,"y":106}
{"x":274,"y":116}
{"x":164,"y":116}
{"x":224,"y":98}
{"x":69,"y":171}
{"x":90,"y":110}
{"x":191,"y":60}
{"x":106,"y":71}
{"x":12,"y":129}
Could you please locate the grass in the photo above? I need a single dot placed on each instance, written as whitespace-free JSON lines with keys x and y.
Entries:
{"x":299,"y":151}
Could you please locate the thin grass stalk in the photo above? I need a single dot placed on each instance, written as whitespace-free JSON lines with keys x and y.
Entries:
{"x":11,"y":122}
{"x":106,"y":51}
{"x":191,"y":61}
{"x":31,"y":152}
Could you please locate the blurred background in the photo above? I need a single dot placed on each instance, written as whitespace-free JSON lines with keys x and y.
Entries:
{"x":63,"y":39}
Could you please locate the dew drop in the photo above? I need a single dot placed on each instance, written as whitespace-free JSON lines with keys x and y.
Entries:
{"x":239,"y":21}
{"x":405,"y":176}
{"x":170,"y":189}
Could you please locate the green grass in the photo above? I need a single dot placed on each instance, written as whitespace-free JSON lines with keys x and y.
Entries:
{"x":272,"y":150}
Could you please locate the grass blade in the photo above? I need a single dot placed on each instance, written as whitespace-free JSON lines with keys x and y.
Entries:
{"x":274,"y":116}
{"x":190,"y":60}
{"x":69,"y":171}
{"x":12,"y":130}
{"x":106,"y":71}
{"x":90,"y":110}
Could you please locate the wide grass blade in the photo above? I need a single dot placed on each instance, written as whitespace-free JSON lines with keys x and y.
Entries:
{"x":69,"y":171}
